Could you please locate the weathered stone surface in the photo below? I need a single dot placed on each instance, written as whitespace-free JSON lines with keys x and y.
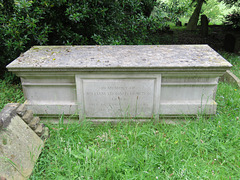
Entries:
{"x":40,"y":129}
{"x":230,"y":78}
{"x":84,"y":57}
{"x":21,"y":110}
{"x":28,"y":116}
{"x":46,"y":133}
{"x":19,"y":149}
{"x":120,"y":81}
{"x":118,"y":97}
{"x":7,"y":113}
{"x":34,"y":123}
{"x":1,"y":123}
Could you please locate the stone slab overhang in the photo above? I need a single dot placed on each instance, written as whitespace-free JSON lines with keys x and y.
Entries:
{"x":108,"y":58}
{"x":172,"y":79}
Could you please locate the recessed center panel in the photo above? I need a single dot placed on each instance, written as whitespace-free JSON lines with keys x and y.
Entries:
{"x":105,"y":98}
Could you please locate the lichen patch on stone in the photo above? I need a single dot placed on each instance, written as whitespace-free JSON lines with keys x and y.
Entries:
{"x":136,"y":56}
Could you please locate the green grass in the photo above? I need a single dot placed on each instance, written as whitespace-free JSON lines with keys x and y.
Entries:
{"x":10,"y":92}
{"x":207,"y":148}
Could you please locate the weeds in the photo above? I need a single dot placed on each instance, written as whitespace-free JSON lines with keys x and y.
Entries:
{"x":10,"y":91}
{"x":234,"y":60}
{"x":206,"y":149}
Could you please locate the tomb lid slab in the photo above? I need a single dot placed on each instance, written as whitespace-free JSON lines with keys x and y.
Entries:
{"x":119,"y":57}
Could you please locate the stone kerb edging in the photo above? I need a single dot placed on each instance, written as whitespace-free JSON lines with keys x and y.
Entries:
{"x":13,"y":109}
{"x":230,"y":78}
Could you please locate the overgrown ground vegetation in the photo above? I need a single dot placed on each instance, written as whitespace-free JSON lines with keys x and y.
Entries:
{"x":234,"y":59}
{"x":201,"y":148}
{"x":10,"y":91}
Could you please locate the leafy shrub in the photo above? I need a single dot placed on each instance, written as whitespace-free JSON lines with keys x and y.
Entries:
{"x":25,"y":23}
{"x":233,"y":20}
{"x":173,"y":9}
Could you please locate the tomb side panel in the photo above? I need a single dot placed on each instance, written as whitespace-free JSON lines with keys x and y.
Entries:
{"x":50,"y":94}
{"x":188,"y":94}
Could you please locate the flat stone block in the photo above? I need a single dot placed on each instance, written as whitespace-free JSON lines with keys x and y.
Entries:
{"x":39,"y":130}
{"x":120,"y":57}
{"x":230,"y":78}
{"x":120,"y":82}
{"x":7,"y":113}
{"x":19,"y":150}
{"x":28,"y":116}
{"x":46,"y":133}
{"x":34,"y":123}
{"x":21,"y":110}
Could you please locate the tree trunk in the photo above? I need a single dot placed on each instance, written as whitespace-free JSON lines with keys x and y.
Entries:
{"x":192,"y":23}
{"x":147,"y":7}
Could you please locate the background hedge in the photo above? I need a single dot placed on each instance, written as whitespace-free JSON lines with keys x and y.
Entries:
{"x":25,"y":23}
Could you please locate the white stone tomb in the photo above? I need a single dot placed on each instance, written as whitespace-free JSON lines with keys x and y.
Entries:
{"x":112,"y":82}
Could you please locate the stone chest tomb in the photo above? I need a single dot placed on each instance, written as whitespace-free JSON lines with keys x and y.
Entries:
{"x":113,"y":82}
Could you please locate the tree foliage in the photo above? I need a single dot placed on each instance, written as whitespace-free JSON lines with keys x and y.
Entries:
{"x":230,"y":2}
{"x":25,"y":23}
{"x":233,"y":19}
{"x":176,"y":8}
{"x":192,"y":23}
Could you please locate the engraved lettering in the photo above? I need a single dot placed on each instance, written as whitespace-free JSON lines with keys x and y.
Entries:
{"x":118,"y":97}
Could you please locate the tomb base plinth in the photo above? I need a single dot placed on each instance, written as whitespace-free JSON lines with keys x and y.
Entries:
{"x":120,"y":82}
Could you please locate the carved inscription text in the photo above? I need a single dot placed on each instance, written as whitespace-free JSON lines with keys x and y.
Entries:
{"x":118,"y":97}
